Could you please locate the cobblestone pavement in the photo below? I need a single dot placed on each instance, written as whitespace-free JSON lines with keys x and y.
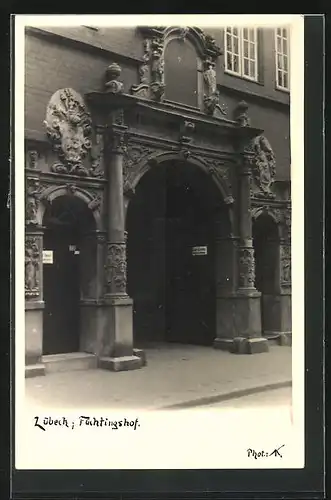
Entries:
{"x":174,"y":375}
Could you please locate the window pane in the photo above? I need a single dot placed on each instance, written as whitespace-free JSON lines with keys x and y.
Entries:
{"x":279,"y":32}
{"x":280,"y":61}
{"x":245,"y":49}
{"x":284,"y":32}
{"x":236,"y":64}
{"x":280,"y":79}
{"x":252,"y":69}
{"x":252,"y":34}
{"x":246,"y":67}
{"x":228,"y":41}
{"x":229,"y":61}
{"x":252,"y":50}
{"x":245,"y":33}
{"x":279,"y":44}
{"x":285,"y":85}
{"x":235,"y":31}
{"x":285,"y":46}
{"x":285,"y":63}
{"x":236,"y":45}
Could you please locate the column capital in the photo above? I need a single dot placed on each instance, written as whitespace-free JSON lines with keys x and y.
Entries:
{"x":117,"y":143}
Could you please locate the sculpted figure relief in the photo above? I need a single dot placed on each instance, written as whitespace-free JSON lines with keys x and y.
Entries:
{"x":264,"y":165}
{"x":31,"y":267}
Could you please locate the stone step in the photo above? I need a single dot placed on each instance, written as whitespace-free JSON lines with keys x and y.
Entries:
{"x":71,"y":361}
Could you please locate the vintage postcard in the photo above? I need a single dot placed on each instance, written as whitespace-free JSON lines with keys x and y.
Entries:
{"x":159,"y":235}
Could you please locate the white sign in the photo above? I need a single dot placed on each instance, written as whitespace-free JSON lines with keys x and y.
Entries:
{"x":47,"y":256}
{"x":199,"y":250}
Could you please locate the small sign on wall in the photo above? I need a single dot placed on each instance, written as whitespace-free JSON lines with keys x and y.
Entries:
{"x":202,"y":250}
{"x":47,"y":256}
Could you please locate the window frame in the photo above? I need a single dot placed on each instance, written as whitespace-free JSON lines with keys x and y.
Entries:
{"x":240,"y":54}
{"x":287,"y":55}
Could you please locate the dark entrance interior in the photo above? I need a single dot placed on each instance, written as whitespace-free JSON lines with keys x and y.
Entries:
{"x":171,"y":281}
{"x":266,"y":247}
{"x":66,"y":221}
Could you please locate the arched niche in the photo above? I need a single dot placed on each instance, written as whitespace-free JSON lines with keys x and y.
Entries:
{"x":181,"y":71}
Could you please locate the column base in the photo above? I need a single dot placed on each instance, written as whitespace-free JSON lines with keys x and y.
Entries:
{"x":242,"y":345}
{"x":120,"y":364}
{"x":279,"y":338}
{"x":36,"y":370}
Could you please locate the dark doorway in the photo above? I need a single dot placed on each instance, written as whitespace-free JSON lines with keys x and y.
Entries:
{"x":65,"y":222}
{"x":170,"y":251}
{"x":266,"y":249}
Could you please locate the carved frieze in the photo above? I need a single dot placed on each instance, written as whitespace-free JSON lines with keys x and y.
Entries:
{"x":285,"y":264}
{"x":263,"y":167}
{"x":246,"y":268}
{"x":32,"y":267}
{"x":116,"y":268}
{"x":68,"y":126}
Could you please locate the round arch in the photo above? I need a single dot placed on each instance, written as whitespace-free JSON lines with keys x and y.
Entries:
{"x":53,"y":192}
{"x":144,"y":165}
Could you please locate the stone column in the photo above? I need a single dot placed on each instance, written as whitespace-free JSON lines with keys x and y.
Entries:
{"x":244,"y":314}
{"x":34,"y":304}
{"x":117,"y":349}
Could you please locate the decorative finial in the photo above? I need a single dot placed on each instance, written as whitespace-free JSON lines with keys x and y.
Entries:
{"x":113,"y":72}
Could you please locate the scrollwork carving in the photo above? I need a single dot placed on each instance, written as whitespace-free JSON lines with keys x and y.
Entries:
{"x":68,"y":126}
{"x":246,"y":268}
{"x":32,"y":257}
{"x":116,"y":268}
{"x":95,"y":202}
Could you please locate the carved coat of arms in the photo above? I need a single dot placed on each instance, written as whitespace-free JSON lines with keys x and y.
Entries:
{"x":68,"y":126}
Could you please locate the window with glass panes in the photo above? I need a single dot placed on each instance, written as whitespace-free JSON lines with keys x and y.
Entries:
{"x":282,"y":58}
{"x":241,"y":52}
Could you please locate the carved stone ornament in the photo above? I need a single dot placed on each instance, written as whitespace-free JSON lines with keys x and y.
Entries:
{"x":33,"y":195}
{"x":95,"y":203}
{"x":32,"y":158}
{"x":32,"y":257}
{"x":220,"y":171}
{"x":285,"y":263}
{"x":116,"y":268}
{"x":97,"y":152}
{"x":112,"y":84}
{"x":68,"y":126}
{"x":286,"y":224}
{"x":133,"y":153}
{"x":263,"y":166}
{"x":246,"y":268}
{"x":211,"y":94}
{"x":241,"y":114}
{"x":187,"y":129}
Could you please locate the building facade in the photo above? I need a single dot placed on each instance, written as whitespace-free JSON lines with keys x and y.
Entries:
{"x":157,"y":192}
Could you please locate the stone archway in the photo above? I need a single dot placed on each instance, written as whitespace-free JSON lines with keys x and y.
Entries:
{"x":172,"y":224}
{"x":70,"y":270}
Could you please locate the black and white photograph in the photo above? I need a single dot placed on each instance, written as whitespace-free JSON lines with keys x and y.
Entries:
{"x":159,"y":215}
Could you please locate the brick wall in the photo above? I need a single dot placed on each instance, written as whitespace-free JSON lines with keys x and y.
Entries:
{"x":50,"y":66}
